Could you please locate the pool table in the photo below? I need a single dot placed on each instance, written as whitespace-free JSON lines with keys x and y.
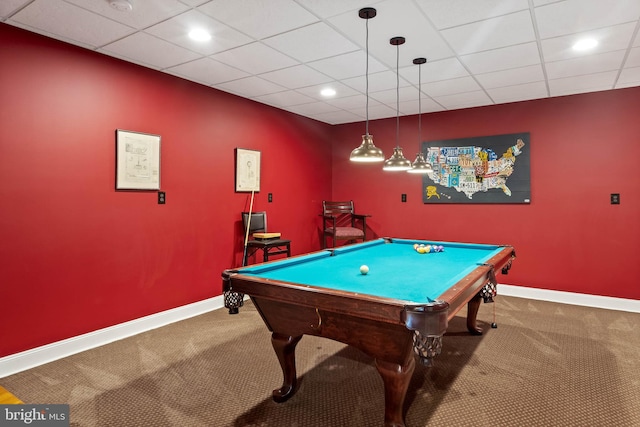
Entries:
{"x":401,"y":307}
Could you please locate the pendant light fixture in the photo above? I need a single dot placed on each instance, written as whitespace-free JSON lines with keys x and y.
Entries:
{"x":397,"y":161}
{"x":367,"y":152}
{"x":420,"y":165}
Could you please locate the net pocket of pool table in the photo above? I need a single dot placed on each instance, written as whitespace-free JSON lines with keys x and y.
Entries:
{"x":428,"y":322}
{"x":490,"y":289}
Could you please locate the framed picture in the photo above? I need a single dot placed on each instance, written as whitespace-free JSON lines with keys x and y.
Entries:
{"x":483,"y":169}
{"x":137,"y":161}
{"x":247,"y":170}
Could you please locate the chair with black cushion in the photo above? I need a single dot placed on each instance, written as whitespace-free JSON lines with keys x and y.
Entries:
{"x":261,"y":240}
{"x":340,"y":222}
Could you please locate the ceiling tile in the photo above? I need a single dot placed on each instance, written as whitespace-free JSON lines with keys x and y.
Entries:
{"x":296,"y":77}
{"x":380,"y":111}
{"x":358,"y":102}
{"x":451,"y":13}
{"x":633,"y":60}
{"x":449,"y":87}
{"x":312,"y":108}
{"x":609,"y":39}
{"x":342,"y":91}
{"x":609,"y":61}
{"x":348,"y":65}
{"x":514,"y":76}
{"x":507,"y":30}
{"x":403,"y":18}
{"x":194,"y":3}
{"x":389,"y":96}
{"x":464,"y":100}
{"x":412,"y":106}
{"x":429,"y":106}
{"x":144,"y":13}
{"x":433,"y":71}
{"x":207,"y":71}
{"x":502,"y":59}
{"x":543,"y":2}
{"x":146,"y":49}
{"x":283,"y":99}
{"x":255,"y":58}
{"x":176,"y":31}
{"x":574,"y":16}
{"x":312,"y":42}
{"x":582,"y":84}
{"x":52,"y":17}
{"x":339,"y":117}
{"x":251,"y":87}
{"x":534,"y":90}
{"x":629,"y":77}
{"x":259,"y":18}
{"x":327,"y":9}
{"x":377,"y":82}
{"x":7,"y":7}
{"x":394,"y":18}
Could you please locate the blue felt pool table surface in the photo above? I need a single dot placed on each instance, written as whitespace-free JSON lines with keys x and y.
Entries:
{"x":396,"y":270}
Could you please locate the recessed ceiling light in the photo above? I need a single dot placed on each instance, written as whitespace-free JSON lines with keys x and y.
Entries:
{"x":200,"y":35}
{"x":585,"y":44}
{"x":121,"y":5}
{"x":328,"y":92}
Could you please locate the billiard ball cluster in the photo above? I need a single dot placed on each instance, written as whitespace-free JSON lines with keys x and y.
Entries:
{"x":425,"y":249}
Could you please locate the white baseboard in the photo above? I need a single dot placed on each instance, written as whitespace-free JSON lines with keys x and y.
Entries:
{"x":28,"y":359}
{"x":596,"y":301}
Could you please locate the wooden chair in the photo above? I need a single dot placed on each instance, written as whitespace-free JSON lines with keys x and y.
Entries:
{"x":340,"y":222}
{"x":261,"y":240}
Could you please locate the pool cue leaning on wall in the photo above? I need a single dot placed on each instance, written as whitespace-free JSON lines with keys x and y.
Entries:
{"x":246,"y":234}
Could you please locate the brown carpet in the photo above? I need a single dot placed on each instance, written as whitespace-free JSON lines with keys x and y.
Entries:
{"x":546,"y":364}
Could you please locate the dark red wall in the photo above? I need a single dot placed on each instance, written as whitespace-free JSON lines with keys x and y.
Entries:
{"x":570,"y":238}
{"x":76,"y":255}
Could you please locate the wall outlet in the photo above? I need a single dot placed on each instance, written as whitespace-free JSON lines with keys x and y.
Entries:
{"x":615,"y":198}
{"x":161,"y":198}
{"x":403,"y":198}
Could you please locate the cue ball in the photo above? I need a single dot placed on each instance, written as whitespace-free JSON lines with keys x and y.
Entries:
{"x":364,"y":269}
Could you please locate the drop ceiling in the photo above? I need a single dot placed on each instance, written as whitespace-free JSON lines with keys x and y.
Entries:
{"x":284,"y":52}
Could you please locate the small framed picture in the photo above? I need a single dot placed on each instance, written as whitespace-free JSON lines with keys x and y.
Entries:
{"x":137,"y":160}
{"x":247,"y":170}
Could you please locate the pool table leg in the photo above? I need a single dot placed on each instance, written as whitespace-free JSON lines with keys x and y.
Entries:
{"x":396,"y":380}
{"x":285,"y":347}
{"x":472,"y":314}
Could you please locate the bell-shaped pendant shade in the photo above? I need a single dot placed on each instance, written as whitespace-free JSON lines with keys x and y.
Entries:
{"x":367,"y":152}
{"x":397,"y":161}
{"x":420,"y":165}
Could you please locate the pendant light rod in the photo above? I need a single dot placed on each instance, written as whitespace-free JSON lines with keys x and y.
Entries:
{"x":397,"y":161}
{"x":366,"y":73}
{"x":420,"y":165}
{"x":419,"y":62}
{"x":397,"y":41}
{"x":367,"y":151}
{"x":367,"y":13}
